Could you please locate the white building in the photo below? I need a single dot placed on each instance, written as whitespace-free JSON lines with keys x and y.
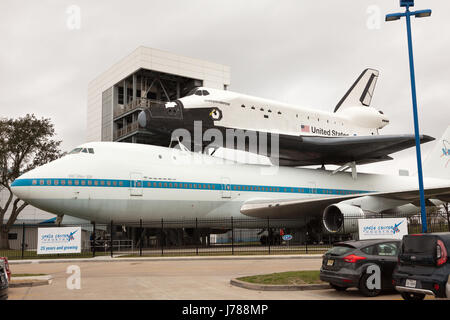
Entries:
{"x":145,"y":76}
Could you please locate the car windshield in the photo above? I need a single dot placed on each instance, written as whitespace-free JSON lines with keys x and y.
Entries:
{"x":340,"y":250}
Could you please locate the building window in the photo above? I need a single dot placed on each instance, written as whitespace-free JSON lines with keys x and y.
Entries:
{"x":12,"y":236}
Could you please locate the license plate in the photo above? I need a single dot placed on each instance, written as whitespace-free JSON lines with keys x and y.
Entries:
{"x":410,"y":283}
{"x":330,"y":262}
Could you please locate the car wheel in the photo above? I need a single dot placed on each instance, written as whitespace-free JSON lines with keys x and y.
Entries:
{"x":338,"y":288}
{"x":364,"y":289}
{"x":410,"y":296}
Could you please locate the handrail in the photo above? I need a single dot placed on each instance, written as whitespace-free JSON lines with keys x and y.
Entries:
{"x":135,"y":104}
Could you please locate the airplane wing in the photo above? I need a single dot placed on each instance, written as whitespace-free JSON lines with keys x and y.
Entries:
{"x":308,"y":150}
{"x":296,"y":208}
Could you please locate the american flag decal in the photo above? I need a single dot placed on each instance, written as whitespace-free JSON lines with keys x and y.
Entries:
{"x":305,"y":128}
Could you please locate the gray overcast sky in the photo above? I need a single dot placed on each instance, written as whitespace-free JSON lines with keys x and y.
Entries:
{"x":301,"y":52}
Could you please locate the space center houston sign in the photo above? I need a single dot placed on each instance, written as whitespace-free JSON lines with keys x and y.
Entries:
{"x":59,"y":240}
{"x":385,"y":228}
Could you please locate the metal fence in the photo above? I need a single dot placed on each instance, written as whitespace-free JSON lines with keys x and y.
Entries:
{"x":195,"y":237}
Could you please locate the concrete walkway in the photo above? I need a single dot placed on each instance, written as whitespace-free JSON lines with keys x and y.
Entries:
{"x":190,"y":278}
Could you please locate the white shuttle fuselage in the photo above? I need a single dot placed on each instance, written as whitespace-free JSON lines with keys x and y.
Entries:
{"x":244,"y":112}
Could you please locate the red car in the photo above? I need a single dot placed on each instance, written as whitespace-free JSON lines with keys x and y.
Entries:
{"x":5,"y":277}
{"x":5,"y":265}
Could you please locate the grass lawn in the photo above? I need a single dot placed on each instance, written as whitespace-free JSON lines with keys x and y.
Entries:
{"x":17,"y":255}
{"x":286,"y":278}
{"x":219,"y":253}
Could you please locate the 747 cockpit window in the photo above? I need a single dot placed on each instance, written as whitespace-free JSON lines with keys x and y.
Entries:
{"x":84,"y":150}
{"x":76,"y":150}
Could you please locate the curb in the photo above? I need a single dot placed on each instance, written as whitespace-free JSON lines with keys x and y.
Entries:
{"x":278,"y":287}
{"x":20,"y":282}
{"x":117,"y":259}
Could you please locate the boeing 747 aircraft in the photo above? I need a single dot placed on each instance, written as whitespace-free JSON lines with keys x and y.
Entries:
{"x":306,"y":136}
{"x":103,"y":181}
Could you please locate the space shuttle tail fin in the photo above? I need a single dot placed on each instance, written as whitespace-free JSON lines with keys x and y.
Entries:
{"x":361,"y":92}
{"x":437,"y":163}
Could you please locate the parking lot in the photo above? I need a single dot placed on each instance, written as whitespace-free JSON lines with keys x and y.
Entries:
{"x":173,"y":278}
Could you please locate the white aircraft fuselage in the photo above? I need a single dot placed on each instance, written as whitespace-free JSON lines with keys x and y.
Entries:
{"x":127,"y":182}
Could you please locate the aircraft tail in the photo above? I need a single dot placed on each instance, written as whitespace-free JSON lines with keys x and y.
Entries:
{"x":361,"y":92}
{"x":437,"y":163}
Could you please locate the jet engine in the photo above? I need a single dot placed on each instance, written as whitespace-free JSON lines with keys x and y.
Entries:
{"x":341,"y":217}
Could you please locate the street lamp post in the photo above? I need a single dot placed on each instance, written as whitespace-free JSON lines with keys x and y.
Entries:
{"x":396,"y":16}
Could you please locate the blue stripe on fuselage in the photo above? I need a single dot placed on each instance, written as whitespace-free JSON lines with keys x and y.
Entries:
{"x":156,"y":184}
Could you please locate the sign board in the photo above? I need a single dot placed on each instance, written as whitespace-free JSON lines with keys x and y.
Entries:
{"x":287,"y":237}
{"x":59,"y":240}
{"x":385,"y":228}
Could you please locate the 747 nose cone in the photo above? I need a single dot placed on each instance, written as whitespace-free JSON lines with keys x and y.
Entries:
{"x":20,"y":189}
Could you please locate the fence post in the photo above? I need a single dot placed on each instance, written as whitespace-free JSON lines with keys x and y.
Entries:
{"x":232,"y":236}
{"x":111,"y":240}
{"x":93,"y":239}
{"x":23,"y":240}
{"x":268,"y":233}
{"x":140,"y":238}
{"x":196,"y":236}
{"x":306,"y":235}
{"x":162,"y":236}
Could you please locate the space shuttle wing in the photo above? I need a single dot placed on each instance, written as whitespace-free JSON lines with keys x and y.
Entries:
{"x":313,"y":206}
{"x":312,"y":150}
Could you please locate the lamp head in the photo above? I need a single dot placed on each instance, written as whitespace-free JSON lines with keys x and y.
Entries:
{"x":422,"y":13}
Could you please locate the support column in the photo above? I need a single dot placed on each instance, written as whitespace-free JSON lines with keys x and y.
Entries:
{"x":125,"y":94}
{"x":134,"y":86}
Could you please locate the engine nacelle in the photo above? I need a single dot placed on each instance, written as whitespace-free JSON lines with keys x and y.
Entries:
{"x":341,"y":217}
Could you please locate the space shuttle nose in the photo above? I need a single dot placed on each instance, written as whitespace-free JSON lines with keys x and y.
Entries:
{"x":142,"y":119}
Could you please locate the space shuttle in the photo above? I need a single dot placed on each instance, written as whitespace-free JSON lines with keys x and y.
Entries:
{"x":304,"y":136}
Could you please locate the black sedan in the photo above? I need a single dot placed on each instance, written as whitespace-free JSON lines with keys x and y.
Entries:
{"x":364,"y":264}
